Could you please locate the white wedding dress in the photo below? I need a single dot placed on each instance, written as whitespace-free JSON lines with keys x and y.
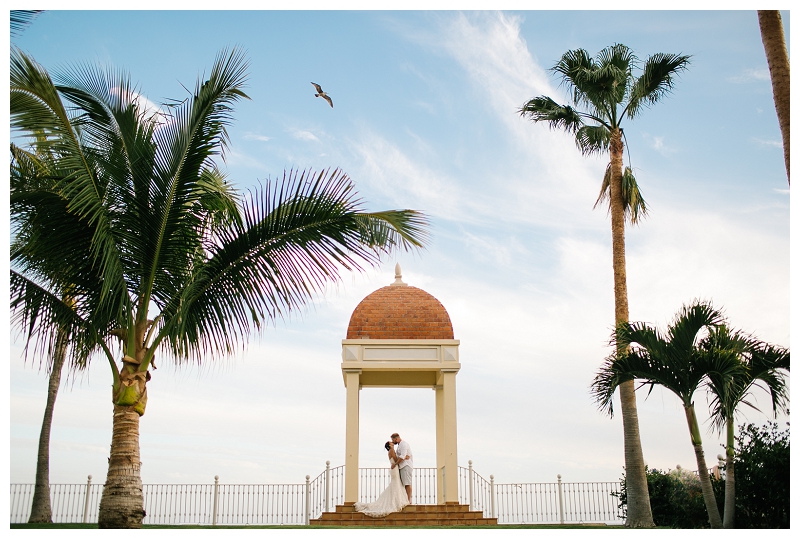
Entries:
{"x":393,"y":499}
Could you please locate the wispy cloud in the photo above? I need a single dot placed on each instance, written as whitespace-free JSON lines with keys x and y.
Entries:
{"x":657,"y":143}
{"x":768,"y":142}
{"x":241,"y":159}
{"x":488,"y":249}
{"x":255,"y":136}
{"x":750,"y":75}
{"x":301,"y":134}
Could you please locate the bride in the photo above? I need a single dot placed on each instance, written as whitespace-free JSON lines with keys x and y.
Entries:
{"x":394,"y":498}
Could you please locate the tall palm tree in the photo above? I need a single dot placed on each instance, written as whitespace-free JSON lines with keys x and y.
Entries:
{"x":604,"y":92}
{"x":774,"y":42}
{"x":156,"y":262}
{"x":676,"y":360}
{"x":762,"y":364}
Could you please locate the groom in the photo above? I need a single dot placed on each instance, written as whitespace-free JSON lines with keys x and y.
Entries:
{"x":403,"y":452}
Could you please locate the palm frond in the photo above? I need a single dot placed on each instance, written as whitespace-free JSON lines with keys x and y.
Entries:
{"x":296,"y":235}
{"x":37,"y":314}
{"x":634,"y":206}
{"x":759,"y":365}
{"x":544,"y":109}
{"x":21,"y":19}
{"x":684,"y":331}
{"x":38,"y":112}
{"x":592,"y":139}
{"x":657,"y":78}
{"x":186,"y":146}
{"x":673,"y":359}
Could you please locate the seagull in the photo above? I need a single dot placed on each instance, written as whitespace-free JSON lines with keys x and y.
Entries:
{"x":322,"y":94}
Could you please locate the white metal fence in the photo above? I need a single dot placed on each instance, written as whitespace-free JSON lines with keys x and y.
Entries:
{"x":297,"y":503}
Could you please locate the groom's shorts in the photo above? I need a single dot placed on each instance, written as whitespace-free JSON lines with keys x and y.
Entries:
{"x":405,"y":475}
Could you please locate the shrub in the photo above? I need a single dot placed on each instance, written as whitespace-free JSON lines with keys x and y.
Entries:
{"x":676,"y":499}
{"x":762,"y":477}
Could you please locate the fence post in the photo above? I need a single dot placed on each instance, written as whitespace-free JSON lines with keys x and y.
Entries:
{"x":494,"y":504}
{"x":216,"y":500}
{"x":86,"y":500}
{"x":327,"y":486}
{"x":560,"y":501}
{"x":308,"y":500}
{"x":470,"y":485}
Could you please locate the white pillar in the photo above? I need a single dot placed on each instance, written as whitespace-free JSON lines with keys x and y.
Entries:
{"x":439,"y":444}
{"x":450,"y":435}
{"x":352,"y":382}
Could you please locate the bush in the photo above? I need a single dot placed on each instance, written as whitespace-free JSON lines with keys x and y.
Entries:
{"x":762,"y":477}
{"x":762,"y":485}
{"x":676,"y":498}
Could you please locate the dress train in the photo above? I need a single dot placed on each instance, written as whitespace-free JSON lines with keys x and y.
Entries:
{"x":391,"y":500}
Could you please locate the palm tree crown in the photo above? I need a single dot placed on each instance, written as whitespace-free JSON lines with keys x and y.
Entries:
{"x":604,"y":91}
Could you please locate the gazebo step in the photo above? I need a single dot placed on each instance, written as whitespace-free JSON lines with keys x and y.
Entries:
{"x":411,"y":515}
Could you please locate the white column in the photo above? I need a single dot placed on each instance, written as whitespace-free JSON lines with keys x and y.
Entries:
{"x":352,"y":382}
{"x":450,"y":435}
{"x":439,"y":444}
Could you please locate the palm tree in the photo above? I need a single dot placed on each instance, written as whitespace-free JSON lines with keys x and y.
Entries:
{"x":156,"y":260}
{"x":677,"y":360}
{"x":762,"y":364}
{"x":604,"y":92}
{"x":774,"y":42}
{"x":30,"y":174}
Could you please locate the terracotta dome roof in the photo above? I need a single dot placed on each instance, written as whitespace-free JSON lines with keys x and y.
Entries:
{"x":400,"y":312}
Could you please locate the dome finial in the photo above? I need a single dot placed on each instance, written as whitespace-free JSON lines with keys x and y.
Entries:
{"x":398,"y":276}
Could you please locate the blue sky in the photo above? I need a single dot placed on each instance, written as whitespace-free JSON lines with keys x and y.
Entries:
{"x":425,"y":118}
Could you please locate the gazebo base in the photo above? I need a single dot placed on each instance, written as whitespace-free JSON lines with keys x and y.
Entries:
{"x":411,"y":515}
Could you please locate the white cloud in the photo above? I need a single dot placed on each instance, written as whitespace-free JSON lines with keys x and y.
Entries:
{"x":657,"y":143}
{"x":150,"y":108}
{"x":768,"y":142}
{"x":300,"y":134}
{"x":255,"y":136}
{"x":750,"y":75}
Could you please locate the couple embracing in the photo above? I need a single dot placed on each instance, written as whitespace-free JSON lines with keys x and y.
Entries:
{"x":398,"y":494}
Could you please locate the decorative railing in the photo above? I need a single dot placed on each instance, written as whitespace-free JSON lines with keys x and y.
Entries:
{"x":297,"y":503}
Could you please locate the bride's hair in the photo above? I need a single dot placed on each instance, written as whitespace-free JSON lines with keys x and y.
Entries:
{"x":387,"y":446}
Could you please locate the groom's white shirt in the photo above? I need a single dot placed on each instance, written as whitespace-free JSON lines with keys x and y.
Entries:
{"x":401,"y":450}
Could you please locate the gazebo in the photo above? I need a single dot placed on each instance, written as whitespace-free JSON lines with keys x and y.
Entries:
{"x":401,"y":336}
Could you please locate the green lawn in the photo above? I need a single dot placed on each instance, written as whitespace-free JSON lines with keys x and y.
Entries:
{"x":186,"y":527}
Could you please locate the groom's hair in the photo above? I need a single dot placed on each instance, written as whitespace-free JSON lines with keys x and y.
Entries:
{"x":395,"y":435}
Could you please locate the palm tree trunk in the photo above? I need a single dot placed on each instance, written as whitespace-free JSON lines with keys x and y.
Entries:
{"x":702,"y":470}
{"x":639,"y":514}
{"x":122,"y":503}
{"x":41,"y":510}
{"x":730,"y":480}
{"x":778,"y":61}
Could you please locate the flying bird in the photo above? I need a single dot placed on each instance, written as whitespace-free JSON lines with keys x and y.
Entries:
{"x":322,"y":94}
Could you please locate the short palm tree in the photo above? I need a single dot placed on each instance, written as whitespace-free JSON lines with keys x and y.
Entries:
{"x":604,"y":92}
{"x":155,"y":260}
{"x":676,"y":360}
{"x":762,"y":366}
{"x":30,"y":173}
